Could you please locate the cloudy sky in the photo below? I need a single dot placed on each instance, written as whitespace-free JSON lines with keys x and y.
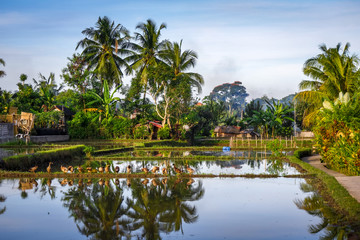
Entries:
{"x":261,"y":43}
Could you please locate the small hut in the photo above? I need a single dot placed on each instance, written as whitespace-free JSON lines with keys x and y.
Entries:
{"x":235,"y":131}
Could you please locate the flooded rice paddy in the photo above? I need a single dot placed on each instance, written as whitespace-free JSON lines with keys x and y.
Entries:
{"x":172,"y":206}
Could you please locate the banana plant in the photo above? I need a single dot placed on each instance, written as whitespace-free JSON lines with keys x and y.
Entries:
{"x":107,"y":100}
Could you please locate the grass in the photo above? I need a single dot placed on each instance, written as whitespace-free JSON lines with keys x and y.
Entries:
{"x":329,"y":186}
{"x":26,"y":161}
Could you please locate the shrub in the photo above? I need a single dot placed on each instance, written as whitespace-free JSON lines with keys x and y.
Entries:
{"x":141,"y":132}
{"x":84,"y":125}
{"x":47,"y":119}
{"x":305,"y":152}
{"x":164,"y":132}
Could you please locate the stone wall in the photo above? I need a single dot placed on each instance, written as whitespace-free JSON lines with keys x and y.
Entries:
{"x":6,"y":132}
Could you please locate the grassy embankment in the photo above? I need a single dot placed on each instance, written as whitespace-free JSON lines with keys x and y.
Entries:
{"x":25,"y":161}
{"x":329,"y":186}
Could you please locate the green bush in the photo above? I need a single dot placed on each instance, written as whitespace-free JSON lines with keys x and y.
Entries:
{"x":121,"y":127}
{"x":164,"y":132}
{"x":305,"y":152}
{"x":141,"y":132}
{"x":337,"y":135}
{"x":84,"y":125}
{"x":47,"y":119}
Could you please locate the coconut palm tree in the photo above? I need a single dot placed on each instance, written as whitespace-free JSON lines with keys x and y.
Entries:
{"x":332,"y":71}
{"x":147,"y":50}
{"x":180,"y":61}
{"x":2,"y":73}
{"x":103,"y":47}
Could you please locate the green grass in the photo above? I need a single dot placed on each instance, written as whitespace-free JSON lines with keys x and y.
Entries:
{"x":26,"y":161}
{"x":331,"y":187}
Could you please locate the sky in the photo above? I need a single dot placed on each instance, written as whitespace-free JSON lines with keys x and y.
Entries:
{"x":263,"y":44}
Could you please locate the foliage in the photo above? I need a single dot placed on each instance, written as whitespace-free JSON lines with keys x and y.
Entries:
{"x":305,"y":152}
{"x":337,"y":134}
{"x":2,"y":73}
{"x":107,"y":100}
{"x":77,"y":76}
{"x":164,"y":132}
{"x":331,"y":72}
{"x":89,"y":150}
{"x":26,"y":99}
{"x":103,"y":46}
{"x":146,"y":50}
{"x":141,"y":132}
{"x":275,"y":120}
{"x":48,"y":119}
{"x":84,"y":125}
{"x":48,"y":90}
{"x":117,"y":127}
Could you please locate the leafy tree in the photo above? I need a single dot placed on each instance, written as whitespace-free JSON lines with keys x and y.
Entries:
{"x":5,"y":100}
{"x":77,"y":76}
{"x":331,"y":72}
{"x":2,"y":73}
{"x":103,"y":47}
{"x":146,"y":51}
{"x":233,"y":95}
{"x":251,"y":108}
{"x":26,"y":99}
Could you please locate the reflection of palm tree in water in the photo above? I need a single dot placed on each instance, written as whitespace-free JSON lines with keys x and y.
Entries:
{"x":162,"y":209}
{"x":334,"y":224}
{"x":179,"y":210}
{"x":2,"y":199}
{"x":100,"y":210}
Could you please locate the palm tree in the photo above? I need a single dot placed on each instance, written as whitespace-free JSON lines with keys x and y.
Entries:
{"x":2,"y":73}
{"x":23,"y":78}
{"x":147,"y":51}
{"x":332,"y":72}
{"x":180,"y":61}
{"x":102,"y":47}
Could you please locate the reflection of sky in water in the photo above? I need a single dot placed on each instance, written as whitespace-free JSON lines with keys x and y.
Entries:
{"x":235,"y":208}
{"x":242,"y":166}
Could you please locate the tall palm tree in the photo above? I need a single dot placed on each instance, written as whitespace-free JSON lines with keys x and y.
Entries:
{"x":103,"y":47}
{"x":2,"y":73}
{"x":146,"y":52}
{"x":180,"y":61}
{"x":332,"y":71}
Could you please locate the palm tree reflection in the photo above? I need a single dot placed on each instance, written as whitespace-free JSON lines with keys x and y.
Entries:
{"x":99,"y":211}
{"x":333,"y":224}
{"x":121,"y":210}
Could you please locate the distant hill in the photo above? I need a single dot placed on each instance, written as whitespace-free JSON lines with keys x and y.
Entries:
{"x":287,"y":100}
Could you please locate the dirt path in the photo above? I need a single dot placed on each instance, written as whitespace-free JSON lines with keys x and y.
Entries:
{"x":350,"y":183}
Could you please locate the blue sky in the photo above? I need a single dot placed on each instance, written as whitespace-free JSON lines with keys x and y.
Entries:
{"x":263,"y":44}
